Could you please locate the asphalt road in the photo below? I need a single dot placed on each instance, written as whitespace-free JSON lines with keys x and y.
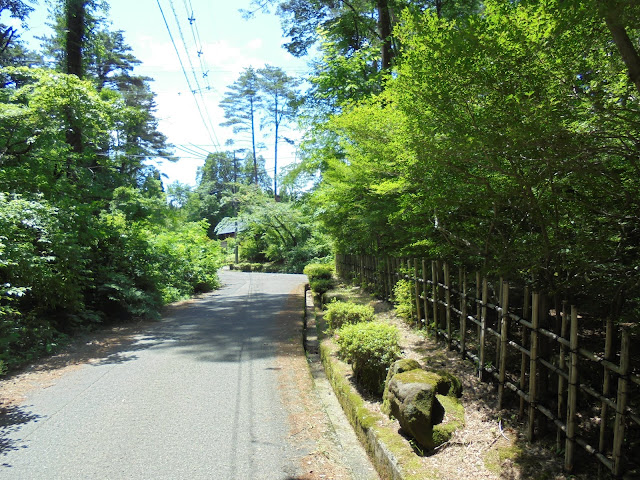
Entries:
{"x":195,"y":397}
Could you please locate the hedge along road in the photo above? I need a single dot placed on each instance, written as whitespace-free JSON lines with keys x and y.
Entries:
{"x":205,"y":393}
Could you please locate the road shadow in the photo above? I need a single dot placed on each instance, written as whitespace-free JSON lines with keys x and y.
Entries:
{"x":11,"y":419}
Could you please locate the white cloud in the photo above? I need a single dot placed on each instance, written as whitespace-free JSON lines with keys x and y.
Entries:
{"x":255,"y":44}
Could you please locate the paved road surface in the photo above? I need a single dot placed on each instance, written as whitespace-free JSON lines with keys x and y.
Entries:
{"x":194,"y":398}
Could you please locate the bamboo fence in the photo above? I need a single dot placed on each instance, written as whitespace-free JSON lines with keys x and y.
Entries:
{"x":534,"y":353}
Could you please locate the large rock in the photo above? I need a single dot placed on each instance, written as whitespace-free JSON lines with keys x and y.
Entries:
{"x":399,"y":366}
{"x":421,"y":400}
{"x":412,"y":400}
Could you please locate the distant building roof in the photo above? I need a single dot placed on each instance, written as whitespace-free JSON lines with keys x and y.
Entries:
{"x":228,"y":226}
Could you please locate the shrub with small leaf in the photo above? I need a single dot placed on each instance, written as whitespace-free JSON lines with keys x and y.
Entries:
{"x":318,"y":270}
{"x":345,"y":313}
{"x":370,"y":348}
{"x":320,"y":277}
{"x":403,"y":299}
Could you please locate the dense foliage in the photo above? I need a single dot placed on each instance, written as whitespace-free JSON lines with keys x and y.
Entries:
{"x":504,"y":140}
{"x":284,"y":234}
{"x":86,"y":234}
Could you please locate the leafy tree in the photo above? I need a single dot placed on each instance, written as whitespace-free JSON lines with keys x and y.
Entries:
{"x":284,"y":233}
{"x":16,"y":9}
{"x":119,"y":251}
{"x":503,"y":142}
{"x":241,"y":104}
{"x":280,"y":102}
{"x":109,"y":60}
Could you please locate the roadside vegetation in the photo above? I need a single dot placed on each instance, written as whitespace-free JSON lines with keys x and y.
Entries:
{"x":479,"y":440}
{"x":86,"y":234}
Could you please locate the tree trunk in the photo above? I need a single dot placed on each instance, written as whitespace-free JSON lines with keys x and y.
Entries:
{"x":275,"y":154}
{"x":73,"y":53}
{"x":74,"y":36}
{"x":384,"y":30}
{"x":253,"y":145}
{"x":624,"y":44}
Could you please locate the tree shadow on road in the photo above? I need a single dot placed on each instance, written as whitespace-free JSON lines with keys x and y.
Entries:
{"x":11,"y":419}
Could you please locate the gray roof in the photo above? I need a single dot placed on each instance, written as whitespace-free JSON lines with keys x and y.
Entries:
{"x":228,"y":226}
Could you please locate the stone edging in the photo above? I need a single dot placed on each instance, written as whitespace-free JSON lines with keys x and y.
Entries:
{"x":391,"y":456}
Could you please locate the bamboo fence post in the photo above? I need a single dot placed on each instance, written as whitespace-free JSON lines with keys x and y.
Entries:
{"x":438,"y":280}
{"x":478,"y":307}
{"x":499,"y":324}
{"x":523,"y":356}
{"x":425,"y":301}
{"x":463,"y":311}
{"x":483,"y":326}
{"x":416,"y":284}
{"x":621,"y":403}
{"x":572,"y":400}
{"x":393,"y":272}
{"x":434,"y":285}
{"x":364,"y":274}
{"x":396,"y":272}
{"x":447,"y":296}
{"x":378,"y":276}
{"x":389,"y":278}
{"x":562,"y":364}
{"x":408,"y":277}
{"x":367,"y":270}
{"x":374,"y":274}
{"x":533,"y":363}
{"x":504,"y":331}
{"x":606,"y":385}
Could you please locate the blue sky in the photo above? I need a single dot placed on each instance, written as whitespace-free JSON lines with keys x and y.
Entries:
{"x":227,"y":42}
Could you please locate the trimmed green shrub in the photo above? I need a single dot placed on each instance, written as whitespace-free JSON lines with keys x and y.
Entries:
{"x":321,"y":285}
{"x":370,"y":348}
{"x":344,"y":313}
{"x":318,"y":270}
{"x":320,"y":277}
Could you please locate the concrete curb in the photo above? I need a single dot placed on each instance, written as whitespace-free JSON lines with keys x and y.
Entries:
{"x":353,"y":455}
{"x":391,"y":456}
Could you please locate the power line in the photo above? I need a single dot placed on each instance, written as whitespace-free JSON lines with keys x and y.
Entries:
{"x":193,"y":70}
{"x":191,"y":151}
{"x":211,"y":135}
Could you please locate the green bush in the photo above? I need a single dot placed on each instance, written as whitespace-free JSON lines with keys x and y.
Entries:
{"x":403,"y":299}
{"x":321,"y":285}
{"x":345,"y":313}
{"x":371,"y":348}
{"x":318,"y":270}
{"x":320,"y":277}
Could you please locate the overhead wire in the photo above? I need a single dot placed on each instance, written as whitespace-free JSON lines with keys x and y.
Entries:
{"x":193,"y":70}
{"x":195,"y":33}
{"x":191,"y":151}
{"x":210,"y":133}
{"x":200,"y":52}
